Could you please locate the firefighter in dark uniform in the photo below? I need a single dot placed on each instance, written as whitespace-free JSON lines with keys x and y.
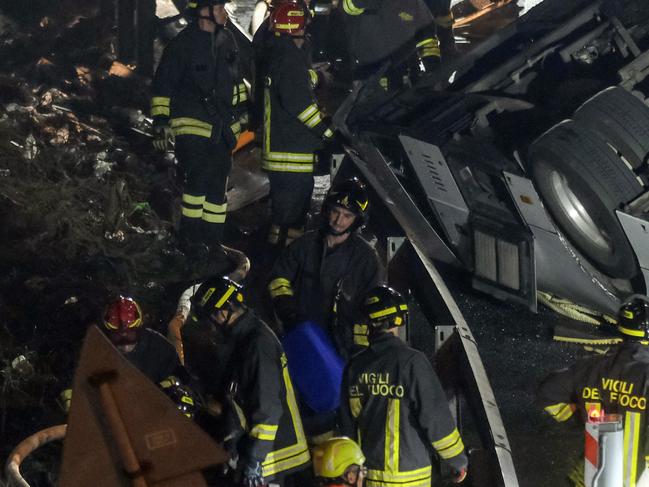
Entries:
{"x":268,"y":438}
{"x":443,"y":18}
{"x":379,"y":29}
{"x":393,"y":403}
{"x":616,"y":382}
{"x":339,"y":462}
{"x":146,"y":349}
{"x":294,"y":126}
{"x":197,"y":96}
{"x":323,"y":275}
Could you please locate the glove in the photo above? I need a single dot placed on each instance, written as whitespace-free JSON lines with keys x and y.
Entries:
{"x":252,"y":476}
{"x":163,"y":138}
{"x":458,"y":477}
{"x":285,"y":310}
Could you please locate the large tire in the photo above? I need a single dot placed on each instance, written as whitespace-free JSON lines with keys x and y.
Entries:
{"x":620,"y":119}
{"x":583,"y":182}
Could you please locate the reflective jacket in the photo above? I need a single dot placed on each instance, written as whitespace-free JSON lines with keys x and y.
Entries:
{"x":197,"y":88}
{"x":262,"y":397}
{"x":617,"y":382}
{"x":377,"y":29}
{"x":393,"y":404}
{"x":294,"y":128}
{"x":327,"y":284}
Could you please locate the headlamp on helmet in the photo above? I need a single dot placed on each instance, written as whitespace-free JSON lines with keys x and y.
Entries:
{"x":633,"y":318}
{"x":215,"y":294}
{"x":333,"y":457}
{"x":383,"y":308}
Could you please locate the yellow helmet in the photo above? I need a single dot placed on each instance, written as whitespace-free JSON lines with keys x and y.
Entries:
{"x":332,"y":457}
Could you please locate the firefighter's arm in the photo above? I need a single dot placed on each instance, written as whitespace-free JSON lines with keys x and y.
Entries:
{"x":280,"y":286}
{"x":346,"y":420}
{"x":296,"y":97}
{"x":555,"y":395}
{"x":265,"y":403}
{"x":434,"y":416}
{"x":428,"y":48}
{"x":164,"y":82}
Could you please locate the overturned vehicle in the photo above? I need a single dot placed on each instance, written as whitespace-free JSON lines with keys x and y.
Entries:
{"x":525,"y":160}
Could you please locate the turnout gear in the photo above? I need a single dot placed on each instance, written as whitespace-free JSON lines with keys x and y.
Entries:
{"x":252,"y":476}
{"x":334,"y":456}
{"x":262,"y":401}
{"x":393,"y":403}
{"x":352,"y":196}
{"x":181,"y":395}
{"x":633,"y":318}
{"x":384,"y":308}
{"x":198,"y":91}
{"x":615,"y":383}
{"x":164,"y":138}
{"x":294,"y":127}
{"x":325,"y":284}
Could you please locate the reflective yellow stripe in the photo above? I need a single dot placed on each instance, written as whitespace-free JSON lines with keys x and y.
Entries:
{"x":214,"y":217}
{"x":225,"y":296}
{"x":190,"y":126}
{"x":242,"y":417}
{"x":392,"y":437}
{"x":351,"y":9}
{"x":160,"y":105}
{"x":193,"y":200}
{"x":428,"y":47}
{"x":314,"y":120}
{"x":314,"y":78}
{"x":280,"y":287}
{"x":287,"y":166}
{"x":384,"y":312}
{"x":264,"y":432}
{"x":360,"y":335}
{"x":307,"y":113}
{"x":629,"y":331}
{"x":289,"y":157}
{"x":214,"y":208}
{"x":560,"y":412}
{"x":444,"y":20}
{"x":631,"y":443}
{"x":192,"y":213}
{"x":294,"y":455}
{"x":328,"y":134}
{"x":411,"y":478}
{"x":449,"y":446}
{"x":355,"y":406}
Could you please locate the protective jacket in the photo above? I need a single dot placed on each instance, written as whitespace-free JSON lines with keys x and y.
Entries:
{"x":617,"y":382}
{"x":198,"y":88}
{"x":377,"y":29}
{"x":154,"y":356}
{"x":394,"y":405}
{"x":293,"y":124}
{"x":327,"y":284}
{"x":263,"y":400}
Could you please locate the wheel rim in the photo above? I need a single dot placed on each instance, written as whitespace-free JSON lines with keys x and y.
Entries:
{"x":577,"y":214}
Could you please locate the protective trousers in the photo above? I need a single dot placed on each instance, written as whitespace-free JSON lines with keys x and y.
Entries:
{"x":290,"y":195}
{"x":205,"y":166}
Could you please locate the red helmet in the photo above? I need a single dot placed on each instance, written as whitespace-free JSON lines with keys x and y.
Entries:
{"x":289,"y":18}
{"x":122,"y":320}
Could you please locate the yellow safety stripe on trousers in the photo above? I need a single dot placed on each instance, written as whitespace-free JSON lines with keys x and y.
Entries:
{"x":236,"y":128}
{"x":293,"y":455}
{"x":428,"y":47}
{"x":213,"y":217}
{"x":193,"y":200}
{"x":308,"y":112}
{"x":214,"y":208}
{"x":631,"y":443}
{"x":270,"y":165}
{"x":160,"y":105}
{"x":192,"y":212}
{"x":444,"y":20}
{"x":351,"y":9}
{"x":411,"y":478}
{"x":191,"y":126}
{"x":313,"y":76}
{"x":449,"y":446}
{"x":560,"y":412}
{"x":314,"y":120}
{"x":280,"y":287}
{"x":388,"y":311}
{"x":391,"y":447}
{"x":240,"y":94}
{"x":360,"y":335}
{"x":264,"y":432}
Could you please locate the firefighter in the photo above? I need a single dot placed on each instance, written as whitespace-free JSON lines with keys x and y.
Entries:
{"x":197,"y":101}
{"x":145,"y":348}
{"x":294,"y":127}
{"x":443,"y":18}
{"x":378,"y":30}
{"x":612,"y":383}
{"x":339,"y":462}
{"x":268,"y":437}
{"x":323,"y":275}
{"x":392,"y":401}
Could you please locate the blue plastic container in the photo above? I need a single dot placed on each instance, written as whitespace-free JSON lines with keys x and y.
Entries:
{"x":316,"y":368}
